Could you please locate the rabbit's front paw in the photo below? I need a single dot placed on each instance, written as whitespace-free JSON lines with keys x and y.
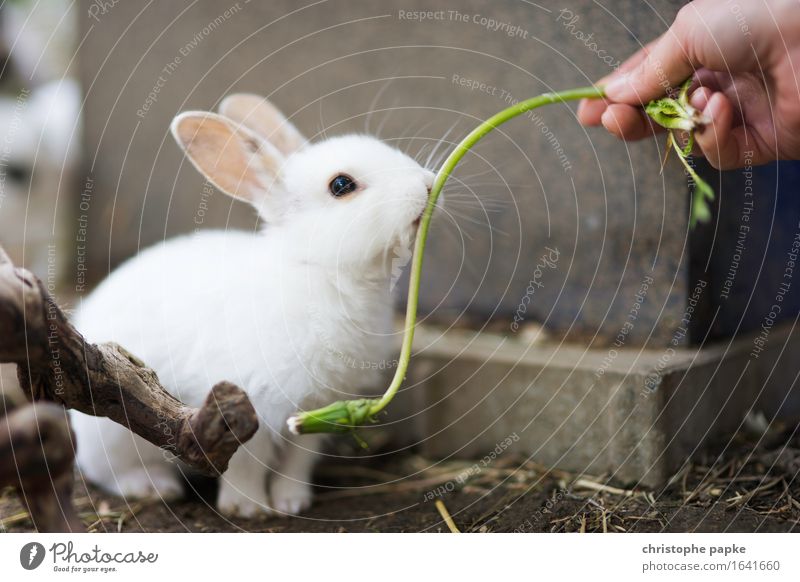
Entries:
{"x":147,"y":483}
{"x":290,"y":497}
{"x":237,"y":503}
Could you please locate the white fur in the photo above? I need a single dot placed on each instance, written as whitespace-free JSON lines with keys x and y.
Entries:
{"x":294,"y":315}
{"x":40,"y":136}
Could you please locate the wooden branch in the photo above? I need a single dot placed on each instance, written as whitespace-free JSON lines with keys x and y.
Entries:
{"x":37,"y":454}
{"x":55,"y":363}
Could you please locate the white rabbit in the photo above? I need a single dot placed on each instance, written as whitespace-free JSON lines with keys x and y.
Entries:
{"x":294,"y":314}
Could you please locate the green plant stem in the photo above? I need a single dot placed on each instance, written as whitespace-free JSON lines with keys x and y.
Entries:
{"x":438,"y":184}
{"x":671,"y":113}
{"x":345,"y":415}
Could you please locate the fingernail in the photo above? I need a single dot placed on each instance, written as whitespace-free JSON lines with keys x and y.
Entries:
{"x":609,"y":121}
{"x":700,"y":98}
{"x":712,"y":109}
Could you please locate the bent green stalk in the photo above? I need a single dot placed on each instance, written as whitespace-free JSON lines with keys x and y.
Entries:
{"x":346,"y":415}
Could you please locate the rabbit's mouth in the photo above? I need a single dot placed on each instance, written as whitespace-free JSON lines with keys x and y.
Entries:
{"x":418,"y":219}
{"x":416,"y":222}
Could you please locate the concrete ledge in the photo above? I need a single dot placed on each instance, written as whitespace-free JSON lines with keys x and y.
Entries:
{"x":634,"y":415}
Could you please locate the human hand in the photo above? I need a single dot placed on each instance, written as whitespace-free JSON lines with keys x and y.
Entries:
{"x":746,"y":58}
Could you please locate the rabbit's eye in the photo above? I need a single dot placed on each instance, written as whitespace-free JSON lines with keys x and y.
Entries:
{"x":341,"y":185}
{"x":19,"y":174}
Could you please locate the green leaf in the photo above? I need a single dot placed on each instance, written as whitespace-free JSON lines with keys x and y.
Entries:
{"x":683,"y":95}
{"x":670,"y":114}
{"x":340,"y":416}
{"x":677,"y":114}
{"x":702,"y":193}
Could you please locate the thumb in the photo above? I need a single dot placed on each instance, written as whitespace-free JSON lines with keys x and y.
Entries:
{"x":668,"y":63}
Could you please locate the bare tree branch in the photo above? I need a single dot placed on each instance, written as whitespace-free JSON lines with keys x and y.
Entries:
{"x":55,"y":363}
{"x":37,"y":455}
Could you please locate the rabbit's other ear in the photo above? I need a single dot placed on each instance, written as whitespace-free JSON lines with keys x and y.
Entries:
{"x":234,"y":159}
{"x":261,"y":116}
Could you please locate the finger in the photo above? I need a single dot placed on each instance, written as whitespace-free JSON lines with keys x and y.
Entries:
{"x":699,"y":99}
{"x":668,"y":63}
{"x":714,"y":139}
{"x":591,"y":110}
{"x":632,"y":61}
{"x":626,"y":122}
{"x":629,"y":64}
{"x":708,"y":78}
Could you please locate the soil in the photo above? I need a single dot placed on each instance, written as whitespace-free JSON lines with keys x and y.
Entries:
{"x":751,"y":484}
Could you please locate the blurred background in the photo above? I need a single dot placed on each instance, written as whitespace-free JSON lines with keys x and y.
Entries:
{"x":40,"y":126}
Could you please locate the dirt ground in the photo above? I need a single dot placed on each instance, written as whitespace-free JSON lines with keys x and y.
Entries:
{"x":752,"y":484}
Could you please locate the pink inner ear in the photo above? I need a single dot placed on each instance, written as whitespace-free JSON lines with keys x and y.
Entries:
{"x":259,"y":115}
{"x":228,"y":158}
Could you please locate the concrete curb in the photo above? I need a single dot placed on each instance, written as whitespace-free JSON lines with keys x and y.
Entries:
{"x":633,"y":415}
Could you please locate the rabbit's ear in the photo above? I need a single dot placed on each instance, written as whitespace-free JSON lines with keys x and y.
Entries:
{"x":234,"y":159}
{"x":261,"y":116}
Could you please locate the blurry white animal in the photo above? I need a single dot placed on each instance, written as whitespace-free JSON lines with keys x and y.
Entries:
{"x":39,"y":145}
